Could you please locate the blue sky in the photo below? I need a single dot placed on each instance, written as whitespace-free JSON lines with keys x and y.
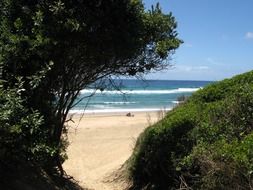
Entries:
{"x":217,"y":35}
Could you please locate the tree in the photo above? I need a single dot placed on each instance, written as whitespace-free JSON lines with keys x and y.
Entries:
{"x":59,"y":47}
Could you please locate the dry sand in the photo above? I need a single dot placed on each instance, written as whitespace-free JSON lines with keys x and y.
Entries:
{"x":100,"y":144}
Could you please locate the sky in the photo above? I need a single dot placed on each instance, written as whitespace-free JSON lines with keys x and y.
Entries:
{"x":217,"y":35}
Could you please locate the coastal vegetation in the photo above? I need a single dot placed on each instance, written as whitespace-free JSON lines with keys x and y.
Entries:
{"x":204,"y":143}
{"x":50,"y":51}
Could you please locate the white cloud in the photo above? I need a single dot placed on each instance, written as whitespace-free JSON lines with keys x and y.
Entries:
{"x":212,"y":61}
{"x":189,"y":45}
{"x":249,"y":35}
{"x":203,"y":68}
{"x":191,"y":68}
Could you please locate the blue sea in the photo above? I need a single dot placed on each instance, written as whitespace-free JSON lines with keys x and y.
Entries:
{"x":136,"y":95}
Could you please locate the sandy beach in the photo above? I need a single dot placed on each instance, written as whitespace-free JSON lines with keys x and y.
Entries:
{"x":100,"y":144}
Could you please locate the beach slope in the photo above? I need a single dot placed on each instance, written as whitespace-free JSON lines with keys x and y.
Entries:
{"x":100,"y":144}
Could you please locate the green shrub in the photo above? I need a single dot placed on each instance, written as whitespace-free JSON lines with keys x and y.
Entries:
{"x":22,"y":134}
{"x":155,"y":158}
{"x":205,"y":143}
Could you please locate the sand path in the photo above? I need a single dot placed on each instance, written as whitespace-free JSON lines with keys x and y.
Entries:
{"x":100,"y":144}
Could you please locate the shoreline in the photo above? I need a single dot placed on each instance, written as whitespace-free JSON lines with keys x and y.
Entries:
{"x":117,"y":111}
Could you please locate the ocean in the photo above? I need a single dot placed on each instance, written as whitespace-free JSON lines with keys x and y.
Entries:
{"x":137,"y":95}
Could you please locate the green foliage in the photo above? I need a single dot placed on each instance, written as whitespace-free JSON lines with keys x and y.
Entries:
{"x":22,"y":136}
{"x":205,"y":143}
{"x":55,"y":48}
{"x":160,"y":147}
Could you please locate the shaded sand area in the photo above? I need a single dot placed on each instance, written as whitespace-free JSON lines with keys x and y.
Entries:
{"x":100,"y":144}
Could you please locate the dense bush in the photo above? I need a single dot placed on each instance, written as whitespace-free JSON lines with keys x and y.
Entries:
{"x":22,"y":135}
{"x":205,"y":143}
{"x":58,"y":48}
{"x":55,"y":49}
{"x":154,"y":162}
